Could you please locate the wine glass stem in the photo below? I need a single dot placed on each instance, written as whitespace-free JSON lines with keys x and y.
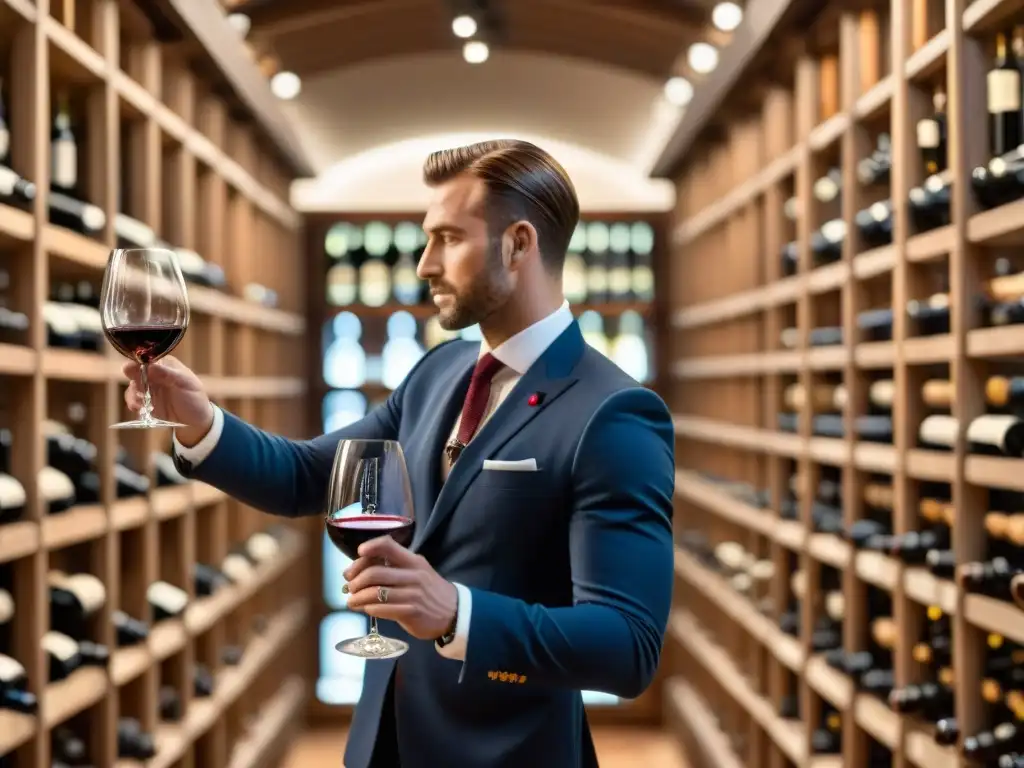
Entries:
{"x":373,"y":619}
{"x":146,"y":411}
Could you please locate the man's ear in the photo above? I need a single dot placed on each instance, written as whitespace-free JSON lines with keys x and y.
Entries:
{"x":519,"y":241}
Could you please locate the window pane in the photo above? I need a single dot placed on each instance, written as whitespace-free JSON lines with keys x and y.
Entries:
{"x":341,"y":675}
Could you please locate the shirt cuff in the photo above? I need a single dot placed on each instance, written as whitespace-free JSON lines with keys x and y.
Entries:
{"x":456,"y":649}
{"x":198,"y":452}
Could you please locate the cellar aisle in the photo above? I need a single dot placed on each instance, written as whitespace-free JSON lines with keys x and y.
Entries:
{"x":617,"y":747}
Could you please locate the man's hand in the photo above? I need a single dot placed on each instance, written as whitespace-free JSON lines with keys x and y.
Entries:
{"x":419,"y":599}
{"x":177,"y":396}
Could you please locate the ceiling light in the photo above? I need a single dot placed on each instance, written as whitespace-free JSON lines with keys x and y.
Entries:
{"x":475,"y":52}
{"x":678,"y":91}
{"x":703,"y":57}
{"x":727,"y":16}
{"x":240,"y":23}
{"x":285,"y":85}
{"x":464,"y":26}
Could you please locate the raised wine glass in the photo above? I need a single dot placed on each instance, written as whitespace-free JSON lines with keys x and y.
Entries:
{"x":369,"y":495}
{"x":144,"y":306}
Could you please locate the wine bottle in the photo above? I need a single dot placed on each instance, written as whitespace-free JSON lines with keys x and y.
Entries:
{"x":827,"y":242}
{"x":875,"y":224}
{"x":169,"y":704}
{"x":202,"y":682}
{"x":260,"y":294}
{"x":132,"y":233}
{"x":642,"y":275}
{"x":1000,"y":434}
{"x":132,"y":742}
{"x":207,"y":579}
{"x":74,"y":601}
{"x":875,"y":168}
{"x":69,"y":749}
{"x":1004,"y":100}
{"x":166,"y":600}
{"x":238,"y":568}
{"x":991,"y":578}
{"x":62,"y":655}
{"x":14,"y":693}
{"x":938,"y":431}
{"x":62,"y":329}
{"x":56,"y":490}
{"x":129,"y":631}
{"x":929,"y":203}
{"x":12,"y":493}
{"x":13,"y":324}
{"x":262,"y":547}
{"x":14,"y":189}
{"x":618,"y":263}
{"x":931,"y":135}
{"x":826,"y":336}
{"x":64,"y":149}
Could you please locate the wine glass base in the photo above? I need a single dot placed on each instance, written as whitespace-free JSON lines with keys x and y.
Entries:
{"x":373,"y":647}
{"x":150,"y":424}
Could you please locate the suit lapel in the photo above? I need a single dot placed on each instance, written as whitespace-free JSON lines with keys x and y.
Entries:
{"x":550,"y":375}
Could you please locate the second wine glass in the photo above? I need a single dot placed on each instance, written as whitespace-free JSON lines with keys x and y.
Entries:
{"x":145,"y":312}
{"x":369,"y":495}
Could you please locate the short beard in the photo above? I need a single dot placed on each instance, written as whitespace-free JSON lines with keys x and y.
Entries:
{"x":488,"y":293}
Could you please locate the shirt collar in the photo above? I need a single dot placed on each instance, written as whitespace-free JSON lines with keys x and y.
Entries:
{"x":522,"y":350}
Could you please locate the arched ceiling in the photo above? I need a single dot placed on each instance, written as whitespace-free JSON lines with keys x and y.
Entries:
{"x":314,"y":36}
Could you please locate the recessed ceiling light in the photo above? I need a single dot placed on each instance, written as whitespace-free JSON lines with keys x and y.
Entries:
{"x":475,"y":52}
{"x":464,"y":26}
{"x":285,"y":85}
{"x":703,"y":57}
{"x":678,"y":91}
{"x":727,"y":16}
{"x":240,"y":23}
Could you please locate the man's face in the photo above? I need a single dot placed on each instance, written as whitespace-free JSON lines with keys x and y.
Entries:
{"x":463,"y":261}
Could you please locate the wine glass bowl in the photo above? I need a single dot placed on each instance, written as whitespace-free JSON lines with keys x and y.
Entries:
{"x":145,"y":311}
{"x":369,"y":495}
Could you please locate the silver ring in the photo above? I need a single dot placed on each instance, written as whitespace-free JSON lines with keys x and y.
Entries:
{"x":382,"y":594}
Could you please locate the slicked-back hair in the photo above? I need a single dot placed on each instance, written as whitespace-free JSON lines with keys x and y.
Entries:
{"x":523,"y":183}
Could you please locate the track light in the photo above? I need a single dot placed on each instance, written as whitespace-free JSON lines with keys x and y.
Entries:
{"x":475,"y":52}
{"x":678,"y":91}
{"x":703,"y":57}
{"x":464,"y":26}
{"x":727,"y":16}
{"x":285,"y":85}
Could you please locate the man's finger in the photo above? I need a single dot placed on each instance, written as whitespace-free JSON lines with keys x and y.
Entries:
{"x":389,"y":549}
{"x":381,"y":576}
{"x":370,"y":596}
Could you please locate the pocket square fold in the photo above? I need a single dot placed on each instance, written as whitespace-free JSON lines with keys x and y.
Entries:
{"x":520,"y":465}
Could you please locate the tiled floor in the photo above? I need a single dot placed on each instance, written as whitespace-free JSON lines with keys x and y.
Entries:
{"x":616,"y":748}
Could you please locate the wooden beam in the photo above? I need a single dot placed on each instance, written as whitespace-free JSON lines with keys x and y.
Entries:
{"x":761,"y":19}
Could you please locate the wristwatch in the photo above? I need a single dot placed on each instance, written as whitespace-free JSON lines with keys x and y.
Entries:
{"x":449,"y":634}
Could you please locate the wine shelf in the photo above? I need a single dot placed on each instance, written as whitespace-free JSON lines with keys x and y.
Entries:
{"x":844,"y":389}
{"x":152,"y":615}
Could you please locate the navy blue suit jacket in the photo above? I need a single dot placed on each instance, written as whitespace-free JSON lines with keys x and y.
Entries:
{"x":570,"y":567}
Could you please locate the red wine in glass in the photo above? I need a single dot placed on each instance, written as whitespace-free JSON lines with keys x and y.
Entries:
{"x":145,"y":312}
{"x":348,"y":534}
{"x":145,"y":343}
{"x":369,"y":495}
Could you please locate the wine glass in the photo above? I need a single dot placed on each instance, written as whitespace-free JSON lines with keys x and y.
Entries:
{"x":369,"y":496}
{"x":144,"y":306}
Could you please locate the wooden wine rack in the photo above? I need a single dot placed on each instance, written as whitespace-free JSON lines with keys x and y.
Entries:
{"x":827,"y":87}
{"x":156,"y":131}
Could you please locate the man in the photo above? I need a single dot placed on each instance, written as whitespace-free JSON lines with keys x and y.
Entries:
{"x":523,"y":586}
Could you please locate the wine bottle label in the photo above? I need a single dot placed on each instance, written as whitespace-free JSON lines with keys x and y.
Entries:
{"x":88,"y":589}
{"x":262,"y":547}
{"x":643,"y":281}
{"x":928,"y":133}
{"x":374,"y":283}
{"x":60,"y":646}
{"x":6,"y":607}
{"x":64,"y":170}
{"x":167,"y":597}
{"x":939,"y":430}
{"x":8,"y":180}
{"x":59,"y":320}
{"x":597,"y":279}
{"x":341,"y":284}
{"x":991,"y":429}
{"x":1003,"y":90}
{"x":882,"y":393}
{"x":54,"y":485}
{"x":237,"y":568}
{"x":825,"y":189}
{"x":10,"y":670}
{"x":618,"y":280}
{"x":12,"y":493}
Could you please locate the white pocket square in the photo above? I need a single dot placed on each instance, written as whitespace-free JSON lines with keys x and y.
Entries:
{"x":521,"y":465}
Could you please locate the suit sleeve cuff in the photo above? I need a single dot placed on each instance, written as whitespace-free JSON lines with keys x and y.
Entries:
{"x":198,"y":452}
{"x":456,"y":649}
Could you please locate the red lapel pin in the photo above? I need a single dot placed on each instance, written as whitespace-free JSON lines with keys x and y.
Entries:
{"x":535,"y":399}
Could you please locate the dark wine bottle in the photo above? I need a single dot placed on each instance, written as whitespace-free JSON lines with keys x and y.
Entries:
{"x":166,"y":600}
{"x":64,"y":149}
{"x":62,"y":655}
{"x":12,"y":493}
{"x":996,"y":433}
{"x":875,"y":224}
{"x":169,"y":704}
{"x":207,"y":579}
{"x":69,"y":749}
{"x":14,"y":693}
{"x":875,"y":168}
{"x":202,"y":682}
{"x":84,"y":218}
{"x":1004,"y":100}
{"x":129,"y":631}
{"x":74,"y":601}
{"x":56,"y":490}
{"x":14,"y":189}
{"x":939,"y":431}
{"x":931,"y":135}
{"x":132,"y":742}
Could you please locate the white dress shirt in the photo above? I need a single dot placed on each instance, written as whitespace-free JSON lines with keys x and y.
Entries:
{"x":518,"y":354}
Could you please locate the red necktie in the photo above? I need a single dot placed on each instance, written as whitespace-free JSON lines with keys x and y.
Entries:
{"x":475,"y":404}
